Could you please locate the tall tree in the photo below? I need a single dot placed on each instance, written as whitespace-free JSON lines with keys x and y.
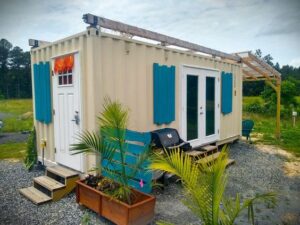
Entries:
{"x":5,"y":47}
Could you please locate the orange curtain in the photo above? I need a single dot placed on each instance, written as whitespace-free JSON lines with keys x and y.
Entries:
{"x":63,"y":64}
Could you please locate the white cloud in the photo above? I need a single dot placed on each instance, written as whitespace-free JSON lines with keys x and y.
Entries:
{"x":295,"y":62}
{"x":225,"y":25}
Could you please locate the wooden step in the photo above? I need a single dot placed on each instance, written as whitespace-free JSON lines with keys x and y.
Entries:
{"x":35,"y":195}
{"x":230,"y":162}
{"x":194,"y":153}
{"x":209,"y":147}
{"x":48,"y":183}
{"x":62,"y":172}
{"x":208,"y":159}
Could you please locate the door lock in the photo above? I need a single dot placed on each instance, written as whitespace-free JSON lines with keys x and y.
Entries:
{"x":76,"y":118}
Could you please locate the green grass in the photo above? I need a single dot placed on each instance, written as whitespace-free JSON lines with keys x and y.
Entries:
{"x":264,"y":129}
{"x":19,"y":116}
{"x":13,"y":150}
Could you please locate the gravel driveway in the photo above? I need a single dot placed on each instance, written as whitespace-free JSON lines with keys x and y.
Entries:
{"x":255,"y":171}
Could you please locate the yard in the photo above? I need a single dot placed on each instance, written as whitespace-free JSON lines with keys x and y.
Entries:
{"x":264,"y":129}
{"x":259,"y":168}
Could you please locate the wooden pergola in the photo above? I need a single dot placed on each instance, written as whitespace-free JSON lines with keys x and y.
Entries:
{"x":255,"y":69}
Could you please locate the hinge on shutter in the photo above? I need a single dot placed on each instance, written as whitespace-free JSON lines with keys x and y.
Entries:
{"x":218,"y":79}
{"x":54,"y":150}
{"x":218,"y":131}
{"x":53,"y":111}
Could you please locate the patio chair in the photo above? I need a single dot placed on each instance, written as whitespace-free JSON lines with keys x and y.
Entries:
{"x":247,"y":127}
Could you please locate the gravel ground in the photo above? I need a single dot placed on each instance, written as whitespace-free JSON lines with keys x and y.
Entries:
{"x":13,"y":137}
{"x":255,"y":171}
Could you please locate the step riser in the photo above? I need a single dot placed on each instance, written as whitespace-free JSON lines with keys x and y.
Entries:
{"x":56,"y":177}
{"x":42,"y":189}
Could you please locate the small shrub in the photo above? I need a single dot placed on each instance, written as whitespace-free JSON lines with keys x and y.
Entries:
{"x":254,"y":107}
{"x":31,"y":151}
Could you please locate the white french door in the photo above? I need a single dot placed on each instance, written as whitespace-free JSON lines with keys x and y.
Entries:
{"x":67,"y":115}
{"x":200,"y":118}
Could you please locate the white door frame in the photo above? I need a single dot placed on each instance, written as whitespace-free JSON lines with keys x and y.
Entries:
{"x":77,"y":83}
{"x":202,"y":73}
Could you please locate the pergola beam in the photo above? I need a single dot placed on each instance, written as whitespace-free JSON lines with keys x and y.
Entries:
{"x":140,"y":32}
{"x":265,"y":65}
{"x":248,"y":74}
{"x":249,"y":64}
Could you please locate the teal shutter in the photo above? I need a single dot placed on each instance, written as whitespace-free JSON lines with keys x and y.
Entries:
{"x":163,"y":94}
{"x":47,"y":94}
{"x":42,"y":92}
{"x":227,"y":92}
{"x":37,"y":94}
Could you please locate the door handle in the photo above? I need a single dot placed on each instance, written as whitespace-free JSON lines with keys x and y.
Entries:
{"x":76,"y":118}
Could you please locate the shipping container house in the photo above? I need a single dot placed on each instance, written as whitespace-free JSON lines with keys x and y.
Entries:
{"x":163,"y":86}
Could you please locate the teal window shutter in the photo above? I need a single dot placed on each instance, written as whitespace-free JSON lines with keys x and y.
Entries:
{"x":163,"y":94}
{"x":37,"y":95}
{"x":42,"y":92}
{"x":227,"y":92}
{"x":47,"y":94}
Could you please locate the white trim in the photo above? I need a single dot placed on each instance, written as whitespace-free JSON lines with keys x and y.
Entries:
{"x":201,"y":73}
{"x":47,"y":161}
{"x":199,"y":67}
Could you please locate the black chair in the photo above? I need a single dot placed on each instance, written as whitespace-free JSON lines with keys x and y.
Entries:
{"x":169,"y":138}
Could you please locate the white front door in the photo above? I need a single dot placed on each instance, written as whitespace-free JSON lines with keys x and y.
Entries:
{"x":67,"y":115}
{"x":200,"y":118}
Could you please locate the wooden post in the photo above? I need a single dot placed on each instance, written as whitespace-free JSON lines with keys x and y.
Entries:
{"x":278,"y":93}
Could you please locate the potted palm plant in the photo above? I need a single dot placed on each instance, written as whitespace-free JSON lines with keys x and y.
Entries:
{"x":114,"y":198}
{"x":204,"y":187}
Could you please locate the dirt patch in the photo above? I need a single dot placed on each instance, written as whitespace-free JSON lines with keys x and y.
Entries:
{"x":291,"y":166}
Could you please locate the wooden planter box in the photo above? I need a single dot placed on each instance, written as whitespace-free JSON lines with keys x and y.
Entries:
{"x":140,"y":213}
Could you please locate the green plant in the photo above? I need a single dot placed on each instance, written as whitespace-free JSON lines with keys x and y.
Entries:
{"x":31,"y":151}
{"x":86,"y":219}
{"x":204,"y":187}
{"x":111,"y":138}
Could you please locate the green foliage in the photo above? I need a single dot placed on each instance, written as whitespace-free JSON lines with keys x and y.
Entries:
{"x":13,"y":150}
{"x":113,"y":123}
{"x":255,"y":107}
{"x":265,"y":123}
{"x":204,"y":187}
{"x":86,"y":219}
{"x":19,"y":114}
{"x":31,"y":151}
{"x":288,"y":98}
{"x":15,"y":75}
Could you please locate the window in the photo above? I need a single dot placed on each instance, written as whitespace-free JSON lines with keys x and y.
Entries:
{"x":65,"y":79}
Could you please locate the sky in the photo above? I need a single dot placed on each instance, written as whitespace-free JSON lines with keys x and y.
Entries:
{"x":226,"y":25}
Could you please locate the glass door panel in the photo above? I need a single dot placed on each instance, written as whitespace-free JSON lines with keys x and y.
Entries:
{"x":192,"y":107}
{"x":210,"y":106}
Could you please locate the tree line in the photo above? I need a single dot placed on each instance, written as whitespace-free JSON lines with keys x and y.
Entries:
{"x":15,"y":71}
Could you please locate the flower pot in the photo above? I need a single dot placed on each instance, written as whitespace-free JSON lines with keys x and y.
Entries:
{"x":139,"y":213}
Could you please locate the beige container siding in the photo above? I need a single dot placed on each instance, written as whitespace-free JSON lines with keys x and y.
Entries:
{"x":122,"y":69}
{"x":127,"y":75}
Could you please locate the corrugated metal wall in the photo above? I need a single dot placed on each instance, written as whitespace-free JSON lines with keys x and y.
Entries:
{"x":126,"y":71}
{"x":122,"y":69}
